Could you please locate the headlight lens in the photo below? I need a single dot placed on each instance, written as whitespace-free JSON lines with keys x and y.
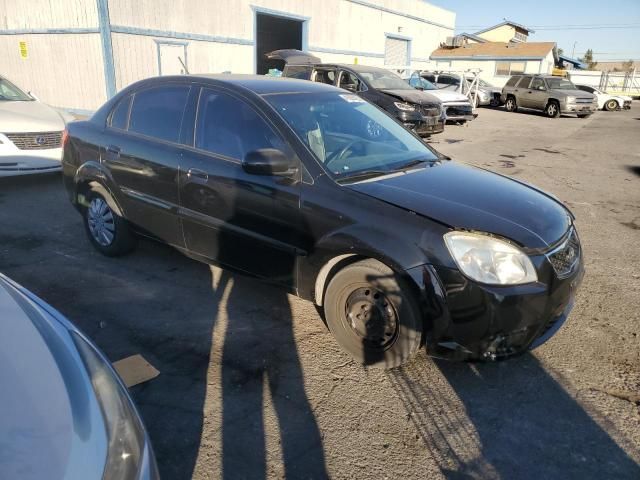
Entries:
{"x":571,"y":99}
{"x":489,"y":260}
{"x":124,"y":431}
{"x":404,"y":106}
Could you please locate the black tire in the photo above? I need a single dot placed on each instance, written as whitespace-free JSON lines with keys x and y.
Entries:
{"x":510,"y":105}
{"x":121,"y":241}
{"x":390,"y":329}
{"x":552,"y":110}
{"x":611,"y":105}
{"x":584,"y":116}
{"x":494,"y":102}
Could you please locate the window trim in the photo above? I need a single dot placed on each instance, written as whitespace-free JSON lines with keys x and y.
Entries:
{"x":363,"y":85}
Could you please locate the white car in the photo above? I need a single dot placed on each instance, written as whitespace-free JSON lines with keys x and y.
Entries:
{"x":30,"y":133}
{"x":606,"y":101}
{"x":457,"y":106}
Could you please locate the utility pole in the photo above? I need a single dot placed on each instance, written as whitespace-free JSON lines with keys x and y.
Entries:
{"x":573,"y":52}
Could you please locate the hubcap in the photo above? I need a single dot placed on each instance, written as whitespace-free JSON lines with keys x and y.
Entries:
{"x":552,"y":109}
{"x":371,"y":316}
{"x":101,"y":222}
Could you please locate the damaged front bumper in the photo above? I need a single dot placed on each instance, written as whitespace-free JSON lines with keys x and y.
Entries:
{"x":466,"y":320}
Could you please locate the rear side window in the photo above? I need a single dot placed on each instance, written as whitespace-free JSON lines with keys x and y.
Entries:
{"x":120,"y":115}
{"x":512,"y":81}
{"x":228,"y":126}
{"x":524,"y":82}
{"x":157,"y":112}
{"x":326,"y":76}
{"x":302,"y":72}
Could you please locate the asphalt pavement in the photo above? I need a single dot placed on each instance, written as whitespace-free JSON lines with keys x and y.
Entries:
{"x":252,"y":384}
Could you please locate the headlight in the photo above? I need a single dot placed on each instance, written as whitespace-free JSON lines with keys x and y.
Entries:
{"x":124,"y":431}
{"x":404,"y":106}
{"x":571,"y":99}
{"x":489,"y":260}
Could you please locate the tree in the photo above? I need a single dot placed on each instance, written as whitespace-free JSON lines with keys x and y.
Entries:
{"x":588,"y":59}
{"x":627,"y":66}
{"x":560,"y":51}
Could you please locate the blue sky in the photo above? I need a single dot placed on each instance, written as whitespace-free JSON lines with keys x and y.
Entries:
{"x":557,"y":21}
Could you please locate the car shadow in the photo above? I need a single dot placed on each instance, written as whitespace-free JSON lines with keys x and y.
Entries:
{"x":509,"y":419}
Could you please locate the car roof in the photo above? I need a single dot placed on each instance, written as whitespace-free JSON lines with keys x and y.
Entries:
{"x":259,"y":84}
{"x":354,"y":67}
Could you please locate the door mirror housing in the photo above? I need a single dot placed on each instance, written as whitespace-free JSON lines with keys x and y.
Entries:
{"x":33,"y":95}
{"x":268,"y":161}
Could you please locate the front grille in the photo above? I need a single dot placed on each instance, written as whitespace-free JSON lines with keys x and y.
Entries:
{"x":459,"y":110}
{"x":565,"y":258}
{"x":430,"y":111}
{"x":584,"y":100}
{"x":36,"y":141}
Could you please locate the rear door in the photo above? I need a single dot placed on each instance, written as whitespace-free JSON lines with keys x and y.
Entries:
{"x":142,"y":152}
{"x":246,"y":222}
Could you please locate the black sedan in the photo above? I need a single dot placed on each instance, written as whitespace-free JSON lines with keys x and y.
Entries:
{"x":313,"y":188}
{"x":418,"y":111}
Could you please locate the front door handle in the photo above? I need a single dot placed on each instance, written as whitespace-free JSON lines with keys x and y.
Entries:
{"x":195,"y":173}
{"x":113,"y":151}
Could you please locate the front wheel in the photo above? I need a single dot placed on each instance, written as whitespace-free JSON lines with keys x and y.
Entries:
{"x":510,"y":105}
{"x":108,"y":232}
{"x":552,"y":110}
{"x":373,"y":314}
{"x":611,"y":105}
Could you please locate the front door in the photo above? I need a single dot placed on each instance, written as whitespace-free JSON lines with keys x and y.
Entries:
{"x":143,"y":157}
{"x":247,"y":222}
{"x":537,"y":94}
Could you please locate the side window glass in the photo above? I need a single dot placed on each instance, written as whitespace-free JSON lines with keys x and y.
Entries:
{"x":157,"y":112}
{"x":512,"y":81}
{"x":326,"y":76}
{"x":228,"y":126}
{"x":538,"y":84}
{"x":524,"y":82}
{"x":120,"y":114}
{"x":350,"y":82}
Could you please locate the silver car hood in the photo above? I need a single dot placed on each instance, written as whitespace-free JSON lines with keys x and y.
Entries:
{"x":29,"y":116}
{"x":51,"y":424}
{"x":447,"y":96}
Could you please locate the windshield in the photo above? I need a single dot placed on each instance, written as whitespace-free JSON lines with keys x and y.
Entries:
{"x":560,"y":84}
{"x":382,"y":80}
{"x":9,"y":92}
{"x":419,"y":82}
{"x":349,"y":136}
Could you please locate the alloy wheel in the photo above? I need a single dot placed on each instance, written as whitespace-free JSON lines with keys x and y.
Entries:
{"x":101,"y":222}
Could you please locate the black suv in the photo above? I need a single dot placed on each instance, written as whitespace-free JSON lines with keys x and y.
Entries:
{"x":312,"y":187}
{"x":417,"y":111}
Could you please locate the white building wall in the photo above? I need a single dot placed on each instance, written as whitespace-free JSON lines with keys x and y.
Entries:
{"x":69,"y":69}
{"x":62,"y":69}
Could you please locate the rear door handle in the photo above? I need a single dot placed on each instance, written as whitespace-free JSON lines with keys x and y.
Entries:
{"x":195,"y":173}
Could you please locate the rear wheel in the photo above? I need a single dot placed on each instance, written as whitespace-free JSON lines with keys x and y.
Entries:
{"x":510,"y":105}
{"x":611,"y":105}
{"x":108,"y":232}
{"x":373,"y":314}
{"x":552,"y":110}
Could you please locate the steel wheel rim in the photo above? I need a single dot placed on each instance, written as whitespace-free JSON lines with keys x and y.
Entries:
{"x":372,"y":317}
{"x":101,"y":222}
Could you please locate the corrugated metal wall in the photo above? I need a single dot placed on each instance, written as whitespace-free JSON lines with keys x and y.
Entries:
{"x":70,"y":69}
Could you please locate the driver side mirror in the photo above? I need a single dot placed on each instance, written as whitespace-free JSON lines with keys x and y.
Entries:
{"x":269,"y":161}
{"x":33,"y":95}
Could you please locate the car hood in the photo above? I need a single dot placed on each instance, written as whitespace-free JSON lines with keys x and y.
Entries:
{"x":413,"y":95}
{"x":29,"y":116}
{"x":465,"y":197}
{"x":48,"y":406}
{"x":574,"y":93}
{"x":446,"y":96}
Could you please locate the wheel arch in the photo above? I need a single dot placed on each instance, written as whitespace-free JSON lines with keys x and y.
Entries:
{"x":92,"y":176}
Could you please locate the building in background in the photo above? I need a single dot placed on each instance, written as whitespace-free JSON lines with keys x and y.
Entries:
{"x":77,"y":53}
{"x":495,"y":62}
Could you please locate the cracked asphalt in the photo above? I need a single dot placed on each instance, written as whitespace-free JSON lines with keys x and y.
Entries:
{"x":252,"y":385}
